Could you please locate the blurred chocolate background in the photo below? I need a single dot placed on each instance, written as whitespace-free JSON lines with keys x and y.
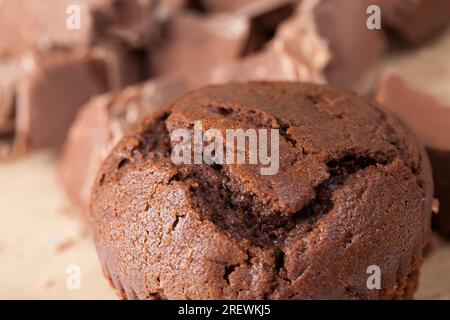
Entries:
{"x":76,"y":75}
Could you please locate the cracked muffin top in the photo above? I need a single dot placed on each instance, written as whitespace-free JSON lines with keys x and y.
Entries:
{"x":353,"y":190}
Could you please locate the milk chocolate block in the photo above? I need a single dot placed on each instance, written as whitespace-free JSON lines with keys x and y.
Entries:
{"x":125,"y":66}
{"x":8,"y":80}
{"x":229,"y":5}
{"x":355,"y":48}
{"x":265,"y":17}
{"x":41,"y":92}
{"x":131,"y":22}
{"x":430,"y":120}
{"x":28,"y":24}
{"x":195,"y":44}
{"x":316,"y":44}
{"x":297,"y":52}
{"x":99,"y":125}
{"x":415,"y":21}
{"x":50,"y":92}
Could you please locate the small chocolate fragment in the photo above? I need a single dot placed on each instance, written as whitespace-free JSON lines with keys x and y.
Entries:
{"x":315,"y":44}
{"x":429,"y":119}
{"x":196,"y":44}
{"x":416,"y":21}
{"x":296,"y":53}
{"x":53,"y":87}
{"x":265,"y":17}
{"x":41,"y":92}
{"x":29,"y":24}
{"x":125,"y":66}
{"x":227,"y":5}
{"x":354,"y":47}
{"x":129,"y":23}
{"x":8,"y":80}
{"x":100,"y":124}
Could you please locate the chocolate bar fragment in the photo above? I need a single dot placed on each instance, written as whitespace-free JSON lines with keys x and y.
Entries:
{"x":228,"y":5}
{"x":125,"y":66}
{"x":41,"y":92}
{"x":273,"y":63}
{"x":8,"y":80}
{"x":354,"y":47}
{"x":196,"y":44}
{"x":429,"y":118}
{"x":297,"y":52}
{"x":265,"y":16}
{"x":314,"y":44}
{"x":100,"y":124}
{"x":415,"y":21}
{"x":29,"y":24}
{"x":130,"y":23}
{"x":50,"y":92}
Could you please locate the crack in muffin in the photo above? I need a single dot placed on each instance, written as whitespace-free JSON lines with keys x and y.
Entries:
{"x":354,"y":189}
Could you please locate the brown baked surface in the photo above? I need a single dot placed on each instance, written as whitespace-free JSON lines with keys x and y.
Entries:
{"x":311,"y":231}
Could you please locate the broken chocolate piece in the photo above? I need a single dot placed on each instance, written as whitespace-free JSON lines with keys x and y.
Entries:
{"x":100,"y":125}
{"x":228,"y":5}
{"x":315,"y":44}
{"x":131,"y":23}
{"x":29,"y":24}
{"x":125,"y":66}
{"x":41,"y":92}
{"x":50,"y":92}
{"x":429,"y":119}
{"x":416,"y":21}
{"x":8,"y":80}
{"x":354,"y":47}
{"x":197,"y":44}
{"x":265,"y":16}
{"x":296,"y":53}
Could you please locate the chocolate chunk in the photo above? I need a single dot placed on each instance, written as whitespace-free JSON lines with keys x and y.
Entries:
{"x":100,"y":125}
{"x":429,"y":119}
{"x":41,"y":92}
{"x":27,"y":24}
{"x":131,"y":23}
{"x":228,"y":5}
{"x":196,"y":44}
{"x":316,"y":43}
{"x":8,"y":81}
{"x":296,"y":53}
{"x":354,"y":47}
{"x":416,"y":21}
{"x":265,"y":17}
{"x":53,"y":87}
{"x":125,"y":66}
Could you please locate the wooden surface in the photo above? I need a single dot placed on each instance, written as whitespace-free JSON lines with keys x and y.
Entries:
{"x":41,"y":236}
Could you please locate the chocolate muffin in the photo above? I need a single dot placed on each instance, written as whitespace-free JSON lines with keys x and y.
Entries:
{"x":353,"y":191}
